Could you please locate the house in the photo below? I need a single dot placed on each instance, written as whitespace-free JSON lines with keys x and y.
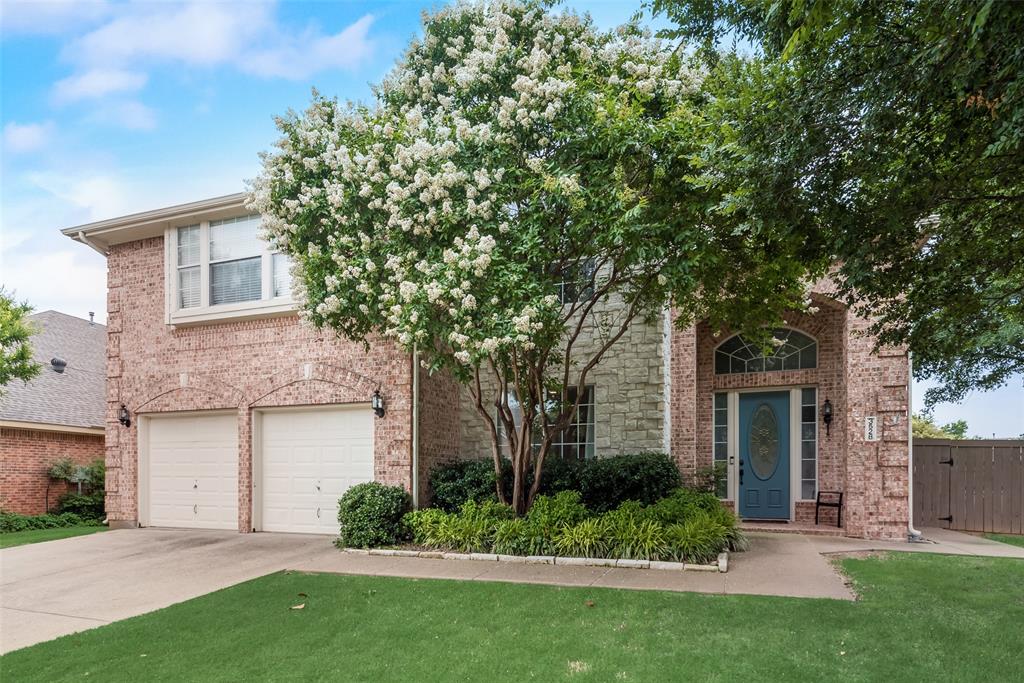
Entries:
{"x":224,"y":412}
{"x":59,"y":414}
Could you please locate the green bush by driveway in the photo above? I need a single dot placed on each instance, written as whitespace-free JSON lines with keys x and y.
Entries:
{"x":921,"y":617}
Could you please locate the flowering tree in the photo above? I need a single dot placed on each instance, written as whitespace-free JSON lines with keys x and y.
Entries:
{"x":511,"y":150}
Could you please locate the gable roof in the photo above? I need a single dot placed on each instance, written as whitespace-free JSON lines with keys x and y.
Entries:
{"x":75,"y":397}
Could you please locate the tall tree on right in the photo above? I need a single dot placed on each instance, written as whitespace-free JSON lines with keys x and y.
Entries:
{"x":894,"y":132}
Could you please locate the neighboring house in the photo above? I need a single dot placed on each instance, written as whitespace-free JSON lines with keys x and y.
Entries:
{"x":241,"y":418}
{"x":59,"y":414}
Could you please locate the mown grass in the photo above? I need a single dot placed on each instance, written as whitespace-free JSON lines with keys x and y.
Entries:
{"x":920,"y":617}
{"x":1006,"y":538}
{"x":11,"y":539}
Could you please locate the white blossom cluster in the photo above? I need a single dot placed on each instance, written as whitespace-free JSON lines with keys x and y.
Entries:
{"x":417,"y":217}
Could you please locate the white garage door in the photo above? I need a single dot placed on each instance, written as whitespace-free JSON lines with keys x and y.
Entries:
{"x":193,"y":471}
{"x":309,"y":458}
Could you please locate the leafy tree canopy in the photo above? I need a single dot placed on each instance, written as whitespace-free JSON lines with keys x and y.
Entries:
{"x":15,"y":351}
{"x":894,"y":131}
{"x":515,"y":152}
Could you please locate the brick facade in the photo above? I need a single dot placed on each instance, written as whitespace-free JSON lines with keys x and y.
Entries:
{"x":26,"y":455}
{"x":243,"y":365}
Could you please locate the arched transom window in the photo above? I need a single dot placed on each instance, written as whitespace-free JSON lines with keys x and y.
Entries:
{"x":793,"y":351}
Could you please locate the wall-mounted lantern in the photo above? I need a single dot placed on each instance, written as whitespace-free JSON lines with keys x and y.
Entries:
{"x":826,"y":416}
{"x":377,"y":403}
{"x":124,"y":417}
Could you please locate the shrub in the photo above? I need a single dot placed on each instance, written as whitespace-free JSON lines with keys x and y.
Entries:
{"x":562,"y":509}
{"x":454,"y":483}
{"x":643,"y":477}
{"x":512,"y":537}
{"x":96,"y":475}
{"x":422,"y":525}
{"x":62,"y":469}
{"x":11,"y":522}
{"x":682,"y":504}
{"x":86,"y":506}
{"x":371,"y":514}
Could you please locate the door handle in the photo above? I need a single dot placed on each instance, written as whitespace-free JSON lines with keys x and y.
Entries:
{"x":318,"y":513}
{"x":196,"y":485}
{"x":195,"y":509}
{"x":741,"y":471}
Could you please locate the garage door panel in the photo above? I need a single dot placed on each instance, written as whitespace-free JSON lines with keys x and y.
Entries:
{"x":193,"y":471}
{"x":320,"y":453}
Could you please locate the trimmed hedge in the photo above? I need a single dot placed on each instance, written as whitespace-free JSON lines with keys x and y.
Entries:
{"x":604,"y":483}
{"x":11,"y":522}
{"x":687,"y":526}
{"x":370,"y":515}
{"x":86,"y":506}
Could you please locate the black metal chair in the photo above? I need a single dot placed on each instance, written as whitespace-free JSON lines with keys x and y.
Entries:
{"x":832,"y":499}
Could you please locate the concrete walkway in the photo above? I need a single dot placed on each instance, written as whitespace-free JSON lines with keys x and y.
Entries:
{"x":59,"y":587}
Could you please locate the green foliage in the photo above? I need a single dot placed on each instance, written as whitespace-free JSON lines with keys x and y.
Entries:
{"x":15,"y":348}
{"x":11,"y":522}
{"x":589,"y":538}
{"x":513,"y":146}
{"x":893,"y":134}
{"x":644,"y":477}
{"x":371,"y":514}
{"x":925,"y":428}
{"x":86,"y":505}
{"x":453,"y":483}
{"x":62,"y":469}
{"x":688,"y":525}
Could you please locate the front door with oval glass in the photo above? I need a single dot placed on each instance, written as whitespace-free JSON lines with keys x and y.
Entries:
{"x":764,"y":455}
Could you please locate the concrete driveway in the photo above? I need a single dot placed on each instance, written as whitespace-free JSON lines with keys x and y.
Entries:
{"x":59,"y":587}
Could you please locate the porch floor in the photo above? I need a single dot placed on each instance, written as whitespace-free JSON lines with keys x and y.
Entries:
{"x":785,"y":527}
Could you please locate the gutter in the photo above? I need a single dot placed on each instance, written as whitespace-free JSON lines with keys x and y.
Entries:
{"x":85,"y":240}
{"x":913,"y":535}
{"x":415,"y":427}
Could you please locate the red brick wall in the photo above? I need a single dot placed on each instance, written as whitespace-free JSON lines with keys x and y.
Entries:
{"x":153,"y":367}
{"x":25,"y":456}
{"x":857,"y":380}
{"x":439,"y":426}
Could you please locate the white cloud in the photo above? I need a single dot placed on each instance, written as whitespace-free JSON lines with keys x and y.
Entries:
{"x":129,"y":114}
{"x":27,"y":137}
{"x":100,"y":196}
{"x":96,"y":83}
{"x":245,"y":35}
{"x":72,"y":279}
{"x":50,"y":16}
{"x":301,"y":56}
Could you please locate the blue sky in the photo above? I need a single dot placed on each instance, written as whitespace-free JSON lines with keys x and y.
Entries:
{"x":109,"y":108}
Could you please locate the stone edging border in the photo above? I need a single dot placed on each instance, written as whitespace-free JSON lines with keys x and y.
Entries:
{"x":722,"y":565}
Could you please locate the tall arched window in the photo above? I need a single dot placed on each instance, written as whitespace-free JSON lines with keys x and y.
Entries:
{"x":793,"y":351}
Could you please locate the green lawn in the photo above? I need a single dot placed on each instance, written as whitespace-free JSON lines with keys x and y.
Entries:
{"x":1004,"y":538}
{"x":39,"y":535}
{"x":921,"y":617}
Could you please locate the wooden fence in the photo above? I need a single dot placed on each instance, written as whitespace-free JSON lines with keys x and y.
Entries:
{"x":969,"y":485}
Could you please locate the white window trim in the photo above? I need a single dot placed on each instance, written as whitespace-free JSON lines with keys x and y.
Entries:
{"x":267,"y":305}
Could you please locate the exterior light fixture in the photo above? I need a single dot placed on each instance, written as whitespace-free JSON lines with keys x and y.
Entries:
{"x":826,"y":415}
{"x":377,"y":403}
{"x":124,"y":417}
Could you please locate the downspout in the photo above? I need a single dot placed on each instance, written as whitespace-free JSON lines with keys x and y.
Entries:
{"x":913,"y":535}
{"x":415,"y":427}
{"x":85,"y":240}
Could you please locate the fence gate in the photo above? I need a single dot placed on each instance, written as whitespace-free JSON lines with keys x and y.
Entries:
{"x":969,"y":485}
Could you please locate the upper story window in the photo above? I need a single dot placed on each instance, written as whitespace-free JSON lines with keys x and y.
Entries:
{"x":793,"y":351}
{"x":576,"y":282}
{"x":221,"y":268}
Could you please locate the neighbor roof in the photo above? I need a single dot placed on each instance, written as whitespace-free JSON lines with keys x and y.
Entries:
{"x":75,"y":397}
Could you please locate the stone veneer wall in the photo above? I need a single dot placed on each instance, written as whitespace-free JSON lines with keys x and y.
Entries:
{"x":153,"y":367}
{"x":26,"y":455}
{"x":629,"y":393}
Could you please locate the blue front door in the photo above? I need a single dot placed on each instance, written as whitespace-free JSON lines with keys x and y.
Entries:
{"x":764,"y":455}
